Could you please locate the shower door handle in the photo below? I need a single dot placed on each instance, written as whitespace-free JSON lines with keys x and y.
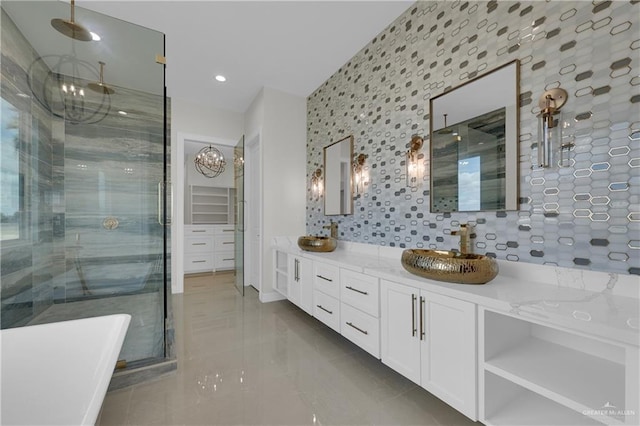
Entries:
{"x":162,"y":188}
{"x":240,"y":224}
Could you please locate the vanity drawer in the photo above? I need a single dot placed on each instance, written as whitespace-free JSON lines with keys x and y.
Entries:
{"x":326,"y":309}
{"x":198,"y":245}
{"x":361,"y":329}
{"x":224,"y":230}
{"x":198,"y":262}
{"x":197,"y":230}
{"x":224,"y":260}
{"x":360,"y":291}
{"x":326,"y":278}
{"x":224,"y":243}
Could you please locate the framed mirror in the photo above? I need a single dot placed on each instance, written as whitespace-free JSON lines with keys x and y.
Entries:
{"x":338,"y":198}
{"x":474,"y":132}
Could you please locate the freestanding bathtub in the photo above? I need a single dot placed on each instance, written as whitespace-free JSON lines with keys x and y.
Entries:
{"x":58,"y":373}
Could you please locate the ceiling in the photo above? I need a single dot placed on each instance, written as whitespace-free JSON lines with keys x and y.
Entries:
{"x":293,"y":46}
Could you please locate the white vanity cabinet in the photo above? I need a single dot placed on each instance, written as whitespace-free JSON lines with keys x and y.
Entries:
{"x":198,"y":248}
{"x":360,"y":310}
{"x":431,"y":339}
{"x":300,"y":285}
{"x":208,"y":248}
{"x":547,"y":375}
{"x":326,"y":294}
{"x":223,"y":247}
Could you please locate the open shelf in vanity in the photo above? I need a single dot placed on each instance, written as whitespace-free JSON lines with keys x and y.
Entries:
{"x":563,"y":376}
{"x":281,"y":272}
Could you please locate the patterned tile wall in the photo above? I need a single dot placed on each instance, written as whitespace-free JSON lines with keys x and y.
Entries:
{"x":585,"y":216}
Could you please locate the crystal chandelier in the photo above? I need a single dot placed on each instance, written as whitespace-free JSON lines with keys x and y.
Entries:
{"x":210,"y":162}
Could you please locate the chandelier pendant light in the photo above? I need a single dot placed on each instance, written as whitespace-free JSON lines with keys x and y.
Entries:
{"x":61,"y":88}
{"x":210,"y":162}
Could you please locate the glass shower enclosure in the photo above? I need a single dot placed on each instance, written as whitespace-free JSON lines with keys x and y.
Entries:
{"x":85,"y":161}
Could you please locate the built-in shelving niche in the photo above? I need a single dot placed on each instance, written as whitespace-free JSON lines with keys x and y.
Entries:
{"x":281,"y":272}
{"x":212,"y":205}
{"x":533,"y":374}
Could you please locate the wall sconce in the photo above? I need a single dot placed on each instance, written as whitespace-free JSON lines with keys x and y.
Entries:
{"x":316,"y":184}
{"x":359,"y":174}
{"x":550,"y":128}
{"x":415,"y":168}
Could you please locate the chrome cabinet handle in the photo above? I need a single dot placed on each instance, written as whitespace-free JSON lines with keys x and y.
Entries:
{"x":422,"y":315}
{"x":199,"y":230}
{"x":198,"y":244}
{"x":227,"y":242}
{"x":228,"y":259}
{"x":198,"y":261}
{"x":357,"y":328}
{"x":326,"y":279}
{"x":356,"y":290}
{"x":227,"y":230}
{"x":413,"y":315}
{"x":325,"y":309}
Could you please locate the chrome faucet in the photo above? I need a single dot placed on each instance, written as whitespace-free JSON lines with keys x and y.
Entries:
{"x":465,"y":236}
{"x":333,"y":226}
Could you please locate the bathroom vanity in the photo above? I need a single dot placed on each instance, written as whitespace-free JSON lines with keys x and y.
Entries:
{"x":537,"y":345}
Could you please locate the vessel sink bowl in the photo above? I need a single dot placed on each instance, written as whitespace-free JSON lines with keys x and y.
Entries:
{"x":450,"y":266}
{"x":317,"y":244}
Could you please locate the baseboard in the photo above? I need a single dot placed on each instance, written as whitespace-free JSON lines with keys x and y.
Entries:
{"x":271,"y":297}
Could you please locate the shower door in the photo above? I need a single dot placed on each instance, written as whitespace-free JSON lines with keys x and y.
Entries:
{"x":93,"y":182}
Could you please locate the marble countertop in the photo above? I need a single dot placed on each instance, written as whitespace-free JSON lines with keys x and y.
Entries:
{"x":604,"y":305}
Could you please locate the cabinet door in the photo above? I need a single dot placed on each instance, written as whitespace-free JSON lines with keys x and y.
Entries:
{"x":400,"y":348}
{"x":448,"y":351}
{"x":305,"y":277}
{"x":293,"y":288}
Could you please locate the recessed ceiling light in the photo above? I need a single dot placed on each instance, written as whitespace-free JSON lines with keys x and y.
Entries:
{"x":95,"y":37}
{"x":122,"y":112}
{"x":221,"y":78}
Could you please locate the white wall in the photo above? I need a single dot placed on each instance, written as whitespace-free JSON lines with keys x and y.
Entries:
{"x":198,"y":119}
{"x":280,"y":119}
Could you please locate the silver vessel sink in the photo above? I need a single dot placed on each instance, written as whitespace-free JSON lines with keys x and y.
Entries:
{"x":317,"y":244}
{"x":450,"y":266}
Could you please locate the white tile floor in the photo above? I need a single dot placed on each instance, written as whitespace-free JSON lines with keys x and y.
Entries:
{"x":244,"y":362}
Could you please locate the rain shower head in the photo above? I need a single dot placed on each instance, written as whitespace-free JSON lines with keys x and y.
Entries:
{"x":445,"y":130}
{"x":100,"y":86}
{"x":71,"y":28}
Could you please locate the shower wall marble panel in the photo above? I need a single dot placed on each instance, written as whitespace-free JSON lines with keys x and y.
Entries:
{"x":112,"y":170}
{"x":27,"y":264}
{"x":583,"y":216}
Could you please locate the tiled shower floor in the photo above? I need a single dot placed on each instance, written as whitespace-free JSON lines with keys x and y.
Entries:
{"x":145,"y":335}
{"x":244,"y":362}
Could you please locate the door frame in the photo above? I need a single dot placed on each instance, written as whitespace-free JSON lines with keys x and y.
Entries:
{"x":253,"y":195}
{"x":178,"y":178}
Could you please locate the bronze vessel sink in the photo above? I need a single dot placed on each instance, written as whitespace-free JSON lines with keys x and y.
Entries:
{"x":317,"y":244}
{"x":450,"y":266}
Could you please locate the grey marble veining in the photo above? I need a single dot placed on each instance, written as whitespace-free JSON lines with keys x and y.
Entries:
{"x":77,"y":177}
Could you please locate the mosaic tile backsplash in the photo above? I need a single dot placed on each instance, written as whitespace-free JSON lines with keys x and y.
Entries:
{"x":584,"y":216}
